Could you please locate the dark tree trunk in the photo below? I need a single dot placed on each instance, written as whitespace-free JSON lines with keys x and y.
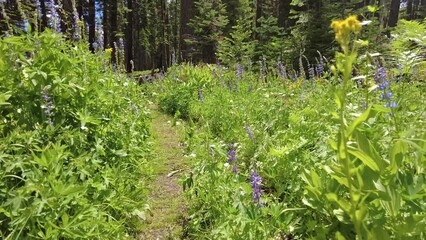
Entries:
{"x":259,"y":11}
{"x":166,"y":34}
{"x":67,"y":16}
{"x":187,"y":7}
{"x":176,"y":33}
{"x":283,"y":12}
{"x":92,"y":25}
{"x":129,"y":36}
{"x":394,"y":13}
{"x":43,"y":15}
{"x":106,"y":24}
{"x":80,"y":9}
{"x":114,"y":31}
{"x":409,"y":10}
{"x":415,"y":9}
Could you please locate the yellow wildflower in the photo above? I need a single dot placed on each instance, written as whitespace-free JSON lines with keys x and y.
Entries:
{"x":344,"y":27}
{"x":108,"y":50}
{"x":79,"y":23}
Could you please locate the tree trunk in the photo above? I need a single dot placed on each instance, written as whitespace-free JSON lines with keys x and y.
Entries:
{"x":394,"y":13}
{"x":129,"y":36}
{"x":187,"y":7}
{"x":92,"y":25}
{"x":67,"y":16}
{"x":114,"y":31}
{"x":283,"y":12}
{"x":43,"y":15}
{"x":415,"y":9}
{"x":106,"y":24}
{"x":80,"y":9}
{"x":166,"y":35}
{"x":259,"y":12}
{"x":176,"y":33}
{"x":409,"y":10}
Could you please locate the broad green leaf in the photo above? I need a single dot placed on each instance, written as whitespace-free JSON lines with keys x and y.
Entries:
{"x":365,"y":158}
{"x":364,"y":116}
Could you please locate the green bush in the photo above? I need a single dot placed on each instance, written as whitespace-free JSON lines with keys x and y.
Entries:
{"x":73,"y":148}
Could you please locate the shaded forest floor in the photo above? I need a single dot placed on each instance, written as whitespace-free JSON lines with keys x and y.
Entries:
{"x":166,"y":200}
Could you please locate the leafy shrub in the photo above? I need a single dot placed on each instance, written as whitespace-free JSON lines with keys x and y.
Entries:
{"x":73,"y":142}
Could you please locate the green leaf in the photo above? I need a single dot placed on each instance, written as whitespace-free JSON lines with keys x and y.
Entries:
{"x":4,"y":97}
{"x":365,"y":158}
{"x":364,"y":116}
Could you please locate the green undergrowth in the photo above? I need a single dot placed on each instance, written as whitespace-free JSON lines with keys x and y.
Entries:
{"x":74,"y":152}
{"x":283,"y":129}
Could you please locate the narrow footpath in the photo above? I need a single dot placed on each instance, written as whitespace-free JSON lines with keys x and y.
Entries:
{"x":166,"y":200}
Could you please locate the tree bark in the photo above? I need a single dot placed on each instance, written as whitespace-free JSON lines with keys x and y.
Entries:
{"x":283,"y":12}
{"x":114,"y":31}
{"x":187,"y":7}
{"x":394,"y":13}
{"x":409,"y":10}
{"x":259,"y":12}
{"x":129,"y":36}
{"x":92,"y":25}
{"x":43,"y":15}
{"x":106,"y":24}
{"x":67,"y":16}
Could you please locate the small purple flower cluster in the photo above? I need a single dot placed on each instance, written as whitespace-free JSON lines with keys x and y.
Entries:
{"x":100,"y":37}
{"x":320,"y":67}
{"x":249,"y":132}
{"x":282,"y":70}
{"x":311,"y":71}
{"x":134,"y":108}
{"x":256,"y":186}
{"x":48,"y":107}
{"x":232,"y":158}
{"x":240,"y":70}
{"x":76,"y":26}
{"x":53,"y":15}
{"x":39,"y":13}
{"x":200,"y":95}
{"x":384,"y":86}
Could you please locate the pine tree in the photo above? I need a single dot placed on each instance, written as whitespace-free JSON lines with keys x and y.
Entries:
{"x":208,"y":24}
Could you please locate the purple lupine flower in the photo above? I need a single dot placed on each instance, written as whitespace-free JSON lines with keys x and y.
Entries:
{"x":53,"y":15}
{"x":211,"y":150}
{"x":320,"y":67}
{"x":384,"y":86}
{"x":121,"y":44}
{"x":230,"y":86}
{"x":134,"y":108}
{"x":48,"y":107}
{"x":200,"y":95}
{"x":220,"y":74}
{"x":282,"y":70}
{"x":76,"y":26}
{"x":100,"y":37}
{"x":262,"y":67}
{"x":249,"y":132}
{"x":311,"y":71}
{"x":240,"y":70}
{"x":256,"y":186}
{"x":39,"y":13}
{"x":296,"y":76}
{"x":232,"y":158}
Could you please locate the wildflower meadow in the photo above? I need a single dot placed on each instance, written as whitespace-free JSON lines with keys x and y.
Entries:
{"x":212,"y":120}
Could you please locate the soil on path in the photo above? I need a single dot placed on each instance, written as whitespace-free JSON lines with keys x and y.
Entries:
{"x":166,"y":201}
